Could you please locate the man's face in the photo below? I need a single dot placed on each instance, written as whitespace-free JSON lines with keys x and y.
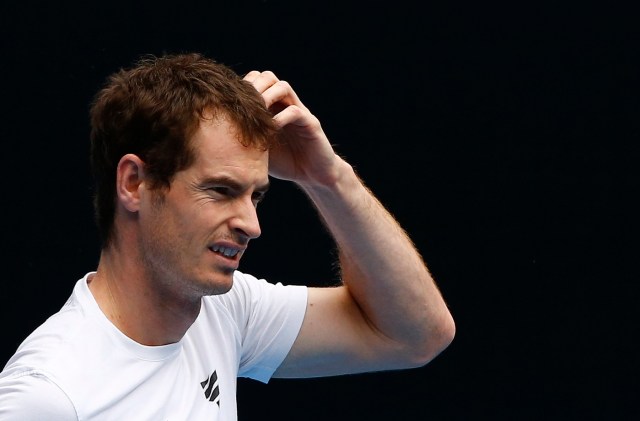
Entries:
{"x":194,"y":234}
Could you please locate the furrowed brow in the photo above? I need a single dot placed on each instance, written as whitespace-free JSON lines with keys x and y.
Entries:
{"x":233,"y":183}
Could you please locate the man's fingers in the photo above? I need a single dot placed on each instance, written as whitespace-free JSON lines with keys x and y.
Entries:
{"x":261,"y":80}
{"x":277,"y":94}
{"x":251,"y":76}
{"x":291,"y":115}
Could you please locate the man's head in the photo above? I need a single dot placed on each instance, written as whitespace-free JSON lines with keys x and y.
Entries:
{"x":153,"y":109}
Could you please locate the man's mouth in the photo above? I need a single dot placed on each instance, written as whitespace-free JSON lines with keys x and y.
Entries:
{"x":225,"y":251}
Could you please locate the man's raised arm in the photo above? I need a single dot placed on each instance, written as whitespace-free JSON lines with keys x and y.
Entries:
{"x":389,"y":313}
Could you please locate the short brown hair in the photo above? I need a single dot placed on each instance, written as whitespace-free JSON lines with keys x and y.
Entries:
{"x":153,"y":109}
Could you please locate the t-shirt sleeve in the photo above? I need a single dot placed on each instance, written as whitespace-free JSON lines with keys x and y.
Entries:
{"x":33,"y":397}
{"x":271,"y":317}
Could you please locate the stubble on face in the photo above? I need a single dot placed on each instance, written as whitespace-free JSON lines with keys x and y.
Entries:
{"x":171,"y":256}
{"x":182,"y":222}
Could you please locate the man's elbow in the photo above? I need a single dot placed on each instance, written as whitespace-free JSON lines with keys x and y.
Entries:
{"x":437,"y":338}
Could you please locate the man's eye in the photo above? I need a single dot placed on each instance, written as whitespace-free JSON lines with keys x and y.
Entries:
{"x":219,"y":190}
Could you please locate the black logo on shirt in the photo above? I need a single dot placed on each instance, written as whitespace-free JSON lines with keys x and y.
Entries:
{"x":211,"y":389}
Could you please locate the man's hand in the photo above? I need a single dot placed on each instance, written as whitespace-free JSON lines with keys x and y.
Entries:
{"x":305,"y":155}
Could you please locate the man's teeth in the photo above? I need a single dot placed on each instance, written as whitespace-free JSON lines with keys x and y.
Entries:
{"x":228,"y":252}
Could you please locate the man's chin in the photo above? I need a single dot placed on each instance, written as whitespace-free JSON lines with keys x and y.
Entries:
{"x":220,"y":285}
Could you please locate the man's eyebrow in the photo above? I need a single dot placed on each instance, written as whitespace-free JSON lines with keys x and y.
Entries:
{"x":233,"y":183}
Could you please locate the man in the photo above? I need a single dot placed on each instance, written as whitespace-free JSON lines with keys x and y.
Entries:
{"x":182,"y":151}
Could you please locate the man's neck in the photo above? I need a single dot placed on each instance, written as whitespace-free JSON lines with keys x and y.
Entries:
{"x":137,"y":304}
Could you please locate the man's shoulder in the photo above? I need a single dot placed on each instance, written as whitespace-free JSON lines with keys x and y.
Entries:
{"x":56,"y":338}
{"x":249,"y":292}
{"x":63,"y":340}
{"x":29,"y":382}
{"x":31,"y":396}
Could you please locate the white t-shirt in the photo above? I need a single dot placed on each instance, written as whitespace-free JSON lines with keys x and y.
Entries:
{"x":78,"y":366}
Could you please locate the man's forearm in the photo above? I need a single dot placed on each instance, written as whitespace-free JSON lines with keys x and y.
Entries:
{"x":382,"y":269}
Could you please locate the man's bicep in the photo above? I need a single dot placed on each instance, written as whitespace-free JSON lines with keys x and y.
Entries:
{"x":34,"y":398}
{"x":334,"y":339}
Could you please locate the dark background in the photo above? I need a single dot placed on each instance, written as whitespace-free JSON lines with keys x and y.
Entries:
{"x":503,"y":137}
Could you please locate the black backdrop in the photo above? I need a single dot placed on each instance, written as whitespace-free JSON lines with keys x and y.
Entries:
{"x":502,"y":137}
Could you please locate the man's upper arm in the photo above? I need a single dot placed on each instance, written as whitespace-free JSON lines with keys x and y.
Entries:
{"x":335,"y":338}
{"x":33,"y":397}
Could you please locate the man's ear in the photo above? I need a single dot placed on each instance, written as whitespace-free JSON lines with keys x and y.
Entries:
{"x":129,"y":179}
